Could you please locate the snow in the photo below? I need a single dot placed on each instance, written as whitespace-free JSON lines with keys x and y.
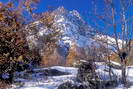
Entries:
{"x":105,"y":74}
{"x":122,"y":87}
{"x":73,"y":28}
{"x":115,"y":63}
{"x":39,"y":81}
{"x":101,"y":67}
{"x":71,"y":70}
{"x":108,"y":40}
{"x":47,"y":82}
{"x":60,"y":20}
{"x":131,"y":87}
{"x":5,"y":75}
{"x":130,"y":73}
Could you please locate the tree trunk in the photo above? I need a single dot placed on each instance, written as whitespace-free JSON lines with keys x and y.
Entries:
{"x":110,"y":70}
{"x":123,"y":72}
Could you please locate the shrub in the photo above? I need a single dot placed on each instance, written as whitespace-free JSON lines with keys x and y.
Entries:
{"x":70,"y":85}
{"x":87,"y":74}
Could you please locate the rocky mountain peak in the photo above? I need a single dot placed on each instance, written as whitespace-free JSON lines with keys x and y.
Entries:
{"x":74,"y":31}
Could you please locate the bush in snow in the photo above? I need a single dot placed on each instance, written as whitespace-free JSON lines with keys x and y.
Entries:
{"x":87,"y":75}
{"x":70,"y":85}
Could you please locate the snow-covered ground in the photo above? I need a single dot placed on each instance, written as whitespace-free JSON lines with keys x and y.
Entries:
{"x":37,"y":80}
{"x":105,"y":75}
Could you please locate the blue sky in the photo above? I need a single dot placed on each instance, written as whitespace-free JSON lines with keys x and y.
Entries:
{"x":84,"y":7}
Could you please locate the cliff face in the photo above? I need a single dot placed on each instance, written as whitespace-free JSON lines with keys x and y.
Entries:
{"x":75,"y":35}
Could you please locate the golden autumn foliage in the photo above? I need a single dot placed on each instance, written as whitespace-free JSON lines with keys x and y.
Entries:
{"x":13,"y":45}
{"x":48,"y":19}
{"x":53,"y":59}
{"x":2,"y":17}
{"x":75,"y":54}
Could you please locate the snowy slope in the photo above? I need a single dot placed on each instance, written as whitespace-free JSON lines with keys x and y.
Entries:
{"x":110,"y":41}
{"x":73,"y":28}
{"x":38,"y":81}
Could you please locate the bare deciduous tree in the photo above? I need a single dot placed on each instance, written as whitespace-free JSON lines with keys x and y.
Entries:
{"x":115,"y":18}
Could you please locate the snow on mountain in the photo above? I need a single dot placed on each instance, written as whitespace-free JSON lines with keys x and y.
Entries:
{"x":108,"y":40}
{"x":75,"y":33}
{"x":73,"y":27}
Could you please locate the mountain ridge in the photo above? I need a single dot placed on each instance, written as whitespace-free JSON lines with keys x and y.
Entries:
{"x":76,"y":35}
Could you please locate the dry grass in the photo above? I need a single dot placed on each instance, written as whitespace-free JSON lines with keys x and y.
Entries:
{"x":4,"y":85}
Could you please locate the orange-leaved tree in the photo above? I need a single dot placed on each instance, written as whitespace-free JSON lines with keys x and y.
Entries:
{"x":13,"y":46}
